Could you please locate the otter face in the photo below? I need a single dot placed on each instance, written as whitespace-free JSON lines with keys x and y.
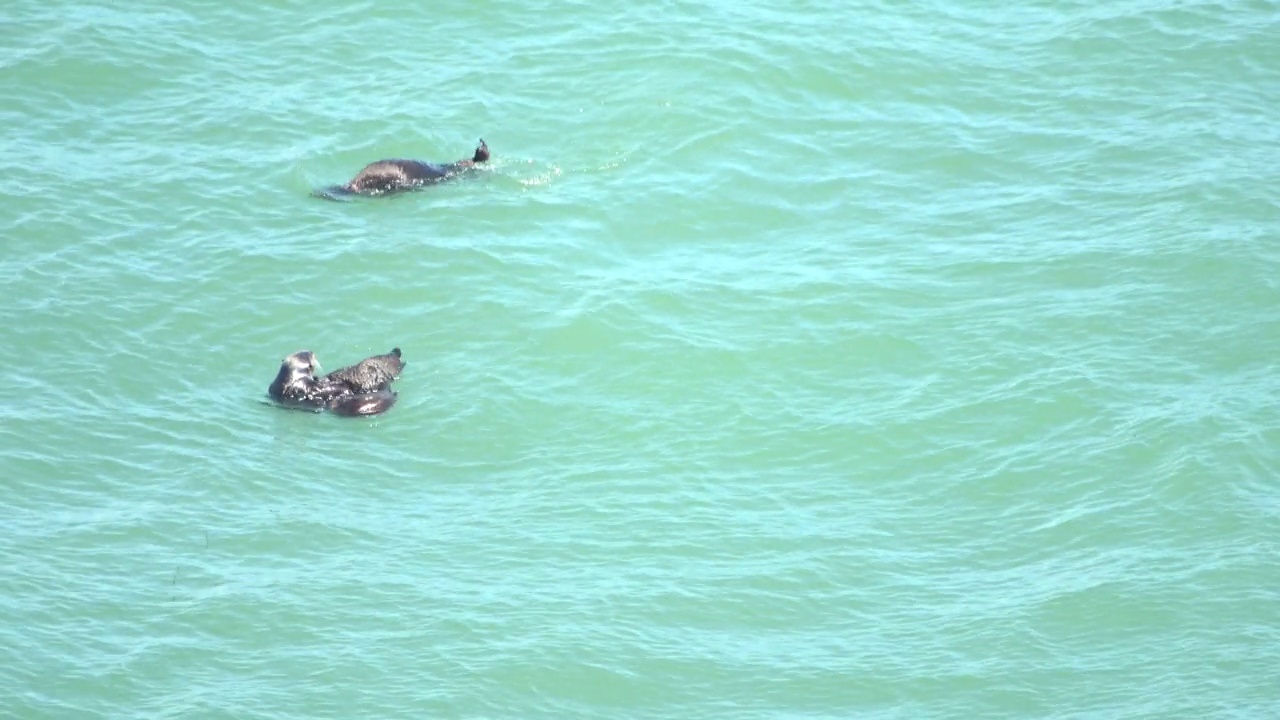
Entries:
{"x":295,"y":378}
{"x":302,"y":362}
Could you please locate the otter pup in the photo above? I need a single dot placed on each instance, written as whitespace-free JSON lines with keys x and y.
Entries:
{"x":386,"y":176}
{"x":361,"y":389}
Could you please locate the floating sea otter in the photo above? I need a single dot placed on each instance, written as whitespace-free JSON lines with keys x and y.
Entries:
{"x":387,"y":176}
{"x":361,"y":389}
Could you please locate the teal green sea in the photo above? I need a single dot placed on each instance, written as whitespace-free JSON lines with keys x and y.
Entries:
{"x":789,"y":360}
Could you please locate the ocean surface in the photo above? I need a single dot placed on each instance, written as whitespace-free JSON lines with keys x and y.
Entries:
{"x":788,"y":360}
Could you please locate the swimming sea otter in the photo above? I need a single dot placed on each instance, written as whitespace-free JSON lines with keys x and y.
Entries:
{"x":361,"y":389}
{"x":386,"y":176}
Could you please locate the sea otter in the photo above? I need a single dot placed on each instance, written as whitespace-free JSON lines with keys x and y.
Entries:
{"x":387,"y":176}
{"x":361,"y":389}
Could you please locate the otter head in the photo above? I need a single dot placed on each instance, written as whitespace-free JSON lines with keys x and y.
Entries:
{"x":296,"y":371}
{"x":482,"y":152}
{"x":301,"y":363}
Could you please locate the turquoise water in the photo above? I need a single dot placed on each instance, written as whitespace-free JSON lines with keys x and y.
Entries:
{"x":789,"y":360}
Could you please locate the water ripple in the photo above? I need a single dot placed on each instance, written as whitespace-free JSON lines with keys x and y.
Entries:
{"x":914,"y":361}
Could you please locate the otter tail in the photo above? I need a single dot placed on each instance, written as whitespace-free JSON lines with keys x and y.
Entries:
{"x":363,"y":403}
